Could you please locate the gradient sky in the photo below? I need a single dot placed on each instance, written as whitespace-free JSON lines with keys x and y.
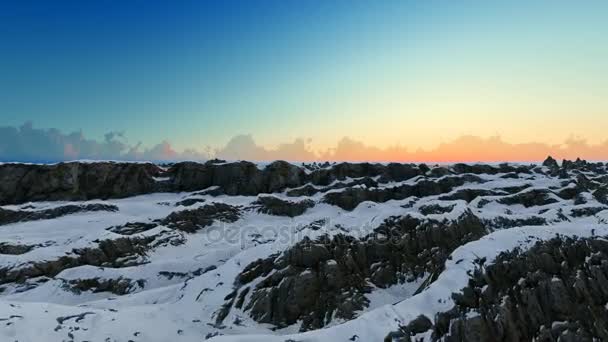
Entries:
{"x":414,"y":73}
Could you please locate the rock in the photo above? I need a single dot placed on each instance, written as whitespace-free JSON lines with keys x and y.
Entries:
{"x":435,"y":209}
{"x":419,"y":325}
{"x":316,"y":280}
{"x":75,"y":181}
{"x":601,"y":195}
{"x":121,"y":252}
{"x":192,"y":220}
{"x":189,"y":202}
{"x":351,"y":197}
{"x":530,"y":198}
{"x":14,"y":249}
{"x":275,"y":206}
{"x":12,"y":216}
{"x":131,"y":228}
{"x":551,"y":163}
{"x":119,"y":286}
{"x":560,"y":280}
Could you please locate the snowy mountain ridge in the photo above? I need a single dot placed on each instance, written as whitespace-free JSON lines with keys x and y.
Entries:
{"x":325,"y":252}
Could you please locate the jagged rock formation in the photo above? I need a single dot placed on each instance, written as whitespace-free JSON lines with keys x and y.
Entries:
{"x":21,"y":183}
{"x":557,"y":291}
{"x":195,"y":219}
{"x":315,"y":281}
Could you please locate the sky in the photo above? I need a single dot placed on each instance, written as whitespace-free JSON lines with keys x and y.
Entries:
{"x":399,"y":80}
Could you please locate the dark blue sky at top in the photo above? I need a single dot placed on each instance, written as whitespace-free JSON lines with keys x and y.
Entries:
{"x":152,"y":67}
{"x":198,"y":73}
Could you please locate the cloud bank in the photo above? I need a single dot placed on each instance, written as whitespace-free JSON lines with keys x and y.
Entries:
{"x":29,"y":144}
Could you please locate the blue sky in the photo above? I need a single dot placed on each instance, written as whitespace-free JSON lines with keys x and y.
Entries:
{"x":415,"y":73}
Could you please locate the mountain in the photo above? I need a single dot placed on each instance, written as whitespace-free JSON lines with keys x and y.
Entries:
{"x":239,"y":251}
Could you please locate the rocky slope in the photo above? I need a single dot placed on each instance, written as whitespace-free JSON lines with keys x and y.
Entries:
{"x":314,"y":252}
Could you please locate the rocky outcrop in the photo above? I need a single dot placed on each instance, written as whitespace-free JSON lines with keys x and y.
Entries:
{"x":131,"y":228}
{"x":530,"y":198}
{"x":433,"y":209}
{"x":121,"y":252}
{"x":15,"y":249}
{"x":119,"y":286}
{"x":238,"y":178}
{"x":21,"y":183}
{"x":75,"y":181}
{"x":487,"y":169}
{"x":12,"y":216}
{"x":192,"y":220}
{"x":556,"y":291}
{"x":275,"y":206}
{"x":551,"y":164}
{"x":317,"y":280}
{"x":350,"y":198}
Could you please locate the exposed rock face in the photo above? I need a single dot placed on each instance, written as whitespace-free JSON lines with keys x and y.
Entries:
{"x":131,"y":228}
{"x":275,"y":206}
{"x":351,"y":197}
{"x":15,"y":249}
{"x":556,"y":291}
{"x":239,"y":178}
{"x":534,"y":197}
{"x":488,"y":169}
{"x":435,"y":209}
{"x":189,"y":202}
{"x":82,"y":181}
{"x":12,"y":216}
{"x":119,"y":286}
{"x":120,"y":252}
{"x":315,"y":281}
{"x":75,"y":181}
{"x":21,"y":183}
{"x":551,"y":163}
{"x":192,"y":220}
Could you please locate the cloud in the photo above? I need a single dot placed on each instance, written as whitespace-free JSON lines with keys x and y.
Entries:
{"x":29,"y":144}
{"x":244,"y":147}
{"x":469,"y":149}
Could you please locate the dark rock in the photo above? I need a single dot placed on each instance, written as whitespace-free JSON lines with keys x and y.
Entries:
{"x":470,"y":194}
{"x":435,"y":209}
{"x":275,"y":206}
{"x":15,"y":249}
{"x":419,"y":325}
{"x":189,"y":202}
{"x":194,"y":219}
{"x":351,"y":197}
{"x":551,"y":163}
{"x":601,"y":195}
{"x":319,"y":279}
{"x":121,"y":252}
{"x":586,"y":211}
{"x":530,"y":198}
{"x":12,"y":216}
{"x":119,"y":286}
{"x":131,"y":228}
{"x":560,"y":280}
{"x":75,"y":181}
